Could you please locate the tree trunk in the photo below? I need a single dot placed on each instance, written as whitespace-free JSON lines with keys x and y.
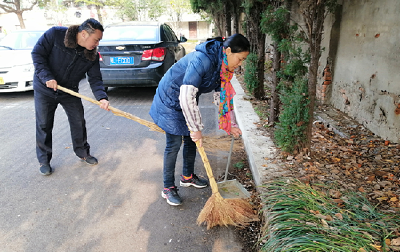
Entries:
{"x":228,"y":19}
{"x":100,"y":17}
{"x":314,"y":18}
{"x":21,"y":19}
{"x":274,"y":105}
{"x":257,"y":42}
{"x":236,"y":17}
{"x":275,"y":100}
{"x":219,"y":25}
{"x":259,"y":92}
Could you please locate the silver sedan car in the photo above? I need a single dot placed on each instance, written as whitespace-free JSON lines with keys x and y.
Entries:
{"x":16,"y":66}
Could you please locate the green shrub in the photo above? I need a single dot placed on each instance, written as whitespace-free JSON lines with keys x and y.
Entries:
{"x":290,"y":132}
{"x":250,"y":73}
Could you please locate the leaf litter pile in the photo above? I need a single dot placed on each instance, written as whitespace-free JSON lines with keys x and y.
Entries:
{"x":348,"y":162}
{"x":347,"y":158}
{"x":353,"y":158}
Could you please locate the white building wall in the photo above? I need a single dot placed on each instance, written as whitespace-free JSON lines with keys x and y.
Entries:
{"x":366,"y":65}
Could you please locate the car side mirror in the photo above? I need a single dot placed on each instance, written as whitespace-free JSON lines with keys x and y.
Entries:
{"x":182,"y":39}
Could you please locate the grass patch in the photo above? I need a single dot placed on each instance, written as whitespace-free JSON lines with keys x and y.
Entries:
{"x":239,"y":165}
{"x":261,"y":112}
{"x":304,"y":218}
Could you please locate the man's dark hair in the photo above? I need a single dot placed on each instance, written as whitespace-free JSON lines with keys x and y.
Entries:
{"x":90,"y":25}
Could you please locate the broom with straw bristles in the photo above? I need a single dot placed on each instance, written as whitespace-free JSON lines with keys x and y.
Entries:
{"x":217,"y":210}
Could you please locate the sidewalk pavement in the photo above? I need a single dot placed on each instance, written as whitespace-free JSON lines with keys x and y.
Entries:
{"x":260,"y":149}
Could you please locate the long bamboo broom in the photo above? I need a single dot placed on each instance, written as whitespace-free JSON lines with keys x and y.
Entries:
{"x":217,"y":210}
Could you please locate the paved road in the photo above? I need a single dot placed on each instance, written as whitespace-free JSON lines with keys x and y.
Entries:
{"x":113,"y":206}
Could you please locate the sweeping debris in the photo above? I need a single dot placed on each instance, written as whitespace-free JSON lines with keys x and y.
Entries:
{"x":217,"y":211}
{"x":231,"y":188}
{"x":223,"y":212}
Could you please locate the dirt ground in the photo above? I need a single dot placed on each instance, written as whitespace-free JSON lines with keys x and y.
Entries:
{"x":240,"y":171}
{"x":344,"y":154}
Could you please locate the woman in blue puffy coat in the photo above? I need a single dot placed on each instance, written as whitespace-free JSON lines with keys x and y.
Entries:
{"x":175,"y":106}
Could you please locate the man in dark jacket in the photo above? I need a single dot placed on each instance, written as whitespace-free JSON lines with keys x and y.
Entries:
{"x":64,"y":56}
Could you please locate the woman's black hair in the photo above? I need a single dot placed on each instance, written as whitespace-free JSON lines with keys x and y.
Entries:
{"x":90,"y":25}
{"x":238,"y":43}
{"x":220,"y":39}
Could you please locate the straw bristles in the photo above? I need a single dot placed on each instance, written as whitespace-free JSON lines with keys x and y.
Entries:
{"x":223,"y":212}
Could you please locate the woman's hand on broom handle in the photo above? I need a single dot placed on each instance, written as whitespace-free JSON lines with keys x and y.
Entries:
{"x":196,"y":136}
{"x":236,"y":132}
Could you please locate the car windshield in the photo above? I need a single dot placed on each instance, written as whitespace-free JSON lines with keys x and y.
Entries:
{"x":20,"y":40}
{"x":131,"y":33}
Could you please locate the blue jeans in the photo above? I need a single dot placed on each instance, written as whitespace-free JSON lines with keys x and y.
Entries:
{"x":45,"y":108}
{"x":172,"y":148}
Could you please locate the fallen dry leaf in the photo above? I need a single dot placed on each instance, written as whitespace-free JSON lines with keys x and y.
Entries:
{"x":377,"y":247}
{"x":335,"y":194}
{"x":382,"y":198}
{"x":339,"y":216}
{"x":321,"y":216}
{"x":396,"y":242}
{"x":371,"y":178}
{"x":338,"y":201}
{"x":324,"y":223}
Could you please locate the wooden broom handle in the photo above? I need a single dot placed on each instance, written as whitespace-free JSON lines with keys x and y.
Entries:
{"x":116,"y":111}
{"x":213,"y":183}
{"x":152,"y":126}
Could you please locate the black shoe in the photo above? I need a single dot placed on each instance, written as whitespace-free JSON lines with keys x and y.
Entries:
{"x":172,"y":196}
{"x":45,"y":169}
{"x":90,"y":160}
{"x":194,"y":181}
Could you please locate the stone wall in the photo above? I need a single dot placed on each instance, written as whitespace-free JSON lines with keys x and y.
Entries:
{"x":362,"y":48}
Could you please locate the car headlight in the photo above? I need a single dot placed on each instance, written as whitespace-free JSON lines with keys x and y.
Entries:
{"x":23,"y":68}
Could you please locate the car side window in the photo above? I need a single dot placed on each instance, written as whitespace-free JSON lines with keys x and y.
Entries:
{"x":173,"y":35}
{"x":170,"y":33}
{"x":166,"y":33}
{"x":163,"y":35}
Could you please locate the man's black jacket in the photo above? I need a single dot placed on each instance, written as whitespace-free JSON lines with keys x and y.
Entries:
{"x":57,"y":56}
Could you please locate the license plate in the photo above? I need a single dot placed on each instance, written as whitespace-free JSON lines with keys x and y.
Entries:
{"x":121,"y":60}
{"x":2,"y":81}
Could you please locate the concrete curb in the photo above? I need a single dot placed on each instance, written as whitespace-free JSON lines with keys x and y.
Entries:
{"x":260,"y":149}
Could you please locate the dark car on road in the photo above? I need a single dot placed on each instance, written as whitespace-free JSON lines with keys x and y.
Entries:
{"x":137,"y":54}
